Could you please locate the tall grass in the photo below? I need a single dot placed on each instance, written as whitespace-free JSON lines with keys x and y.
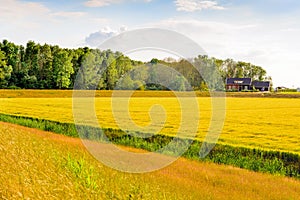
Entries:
{"x":82,"y":171}
{"x":259,"y":160}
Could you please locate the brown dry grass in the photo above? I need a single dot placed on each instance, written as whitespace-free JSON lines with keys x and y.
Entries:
{"x":33,"y":167}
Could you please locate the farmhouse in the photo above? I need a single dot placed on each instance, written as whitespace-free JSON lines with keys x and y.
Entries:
{"x":242,"y":84}
{"x":238,"y":84}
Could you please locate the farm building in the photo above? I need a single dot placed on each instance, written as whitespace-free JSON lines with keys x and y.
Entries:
{"x":263,"y":86}
{"x":238,"y":84}
{"x":242,"y":84}
{"x":281,"y":88}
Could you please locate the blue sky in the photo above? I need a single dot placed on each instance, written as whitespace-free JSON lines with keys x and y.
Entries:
{"x":263,"y":32}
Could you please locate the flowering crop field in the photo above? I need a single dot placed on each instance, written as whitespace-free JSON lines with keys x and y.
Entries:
{"x":266,"y":123}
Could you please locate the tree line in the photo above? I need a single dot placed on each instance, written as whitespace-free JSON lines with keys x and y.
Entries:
{"x":37,"y":66}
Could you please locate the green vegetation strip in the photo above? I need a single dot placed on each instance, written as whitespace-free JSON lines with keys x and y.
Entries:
{"x":274,"y":162}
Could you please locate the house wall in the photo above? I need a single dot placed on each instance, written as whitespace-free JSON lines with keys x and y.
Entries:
{"x":261,"y":89}
{"x":232,"y":87}
{"x":242,"y":85}
{"x":238,"y":87}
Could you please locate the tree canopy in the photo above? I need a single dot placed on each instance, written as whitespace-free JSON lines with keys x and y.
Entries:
{"x":37,"y":66}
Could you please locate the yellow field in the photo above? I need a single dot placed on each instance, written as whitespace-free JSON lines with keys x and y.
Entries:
{"x":41,"y":165}
{"x":269,"y":123}
{"x":29,"y":93}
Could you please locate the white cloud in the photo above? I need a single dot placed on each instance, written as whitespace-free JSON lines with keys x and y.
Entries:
{"x":102,"y":3}
{"x":267,"y":43}
{"x":15,"y":9}
{"x":31,"y":13}
{"x":19,"y":19}
{"x":123,"y":28}
{"x":95,"y":39}
{"x":197,"y":5}
{"x":68,"y":14}
{"x":23,"y":21}
{"x":226,"y":40}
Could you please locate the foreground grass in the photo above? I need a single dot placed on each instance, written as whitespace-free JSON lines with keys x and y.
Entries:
{"x":40,"y":165}
{"x":274,"y":162}
{"x":266,"y":123}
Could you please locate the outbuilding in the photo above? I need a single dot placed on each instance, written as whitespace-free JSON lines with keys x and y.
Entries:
{"x":263,"y":86}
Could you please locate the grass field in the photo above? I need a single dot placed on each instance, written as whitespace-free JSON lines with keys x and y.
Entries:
{"x":41,"y":165}
{"x":268,"y":123}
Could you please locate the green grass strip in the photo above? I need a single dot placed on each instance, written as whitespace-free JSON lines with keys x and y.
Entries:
{"x":273,"y":162}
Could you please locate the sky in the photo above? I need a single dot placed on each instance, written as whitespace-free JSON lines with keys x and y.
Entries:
{"x":263,"y":32}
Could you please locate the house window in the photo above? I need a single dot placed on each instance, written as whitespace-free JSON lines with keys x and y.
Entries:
{"x":238,"y":82}
{"x":246,"y":87}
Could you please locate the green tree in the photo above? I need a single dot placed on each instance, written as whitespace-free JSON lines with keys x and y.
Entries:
{"x":46,"y":66}
{"x":13,"y":59}
{"x":45,"y":73}
{"x":140,"y":74}
{"x":5,"y":70}
{"x":125,"y":83}
{"x":112,"y":73}
{"x":203,"y":86}
{"x":31,"y":65}
{"x":154,"y":61}
{"x":63,"y":68}
{"x":123,"y":65}
{"x":178,"y":84}
{"x":88,"y":75}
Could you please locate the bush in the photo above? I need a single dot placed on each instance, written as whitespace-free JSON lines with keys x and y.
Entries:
{"x":287,"y":90}
{"x":232,"y":90}
{"x":13,"y":87}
